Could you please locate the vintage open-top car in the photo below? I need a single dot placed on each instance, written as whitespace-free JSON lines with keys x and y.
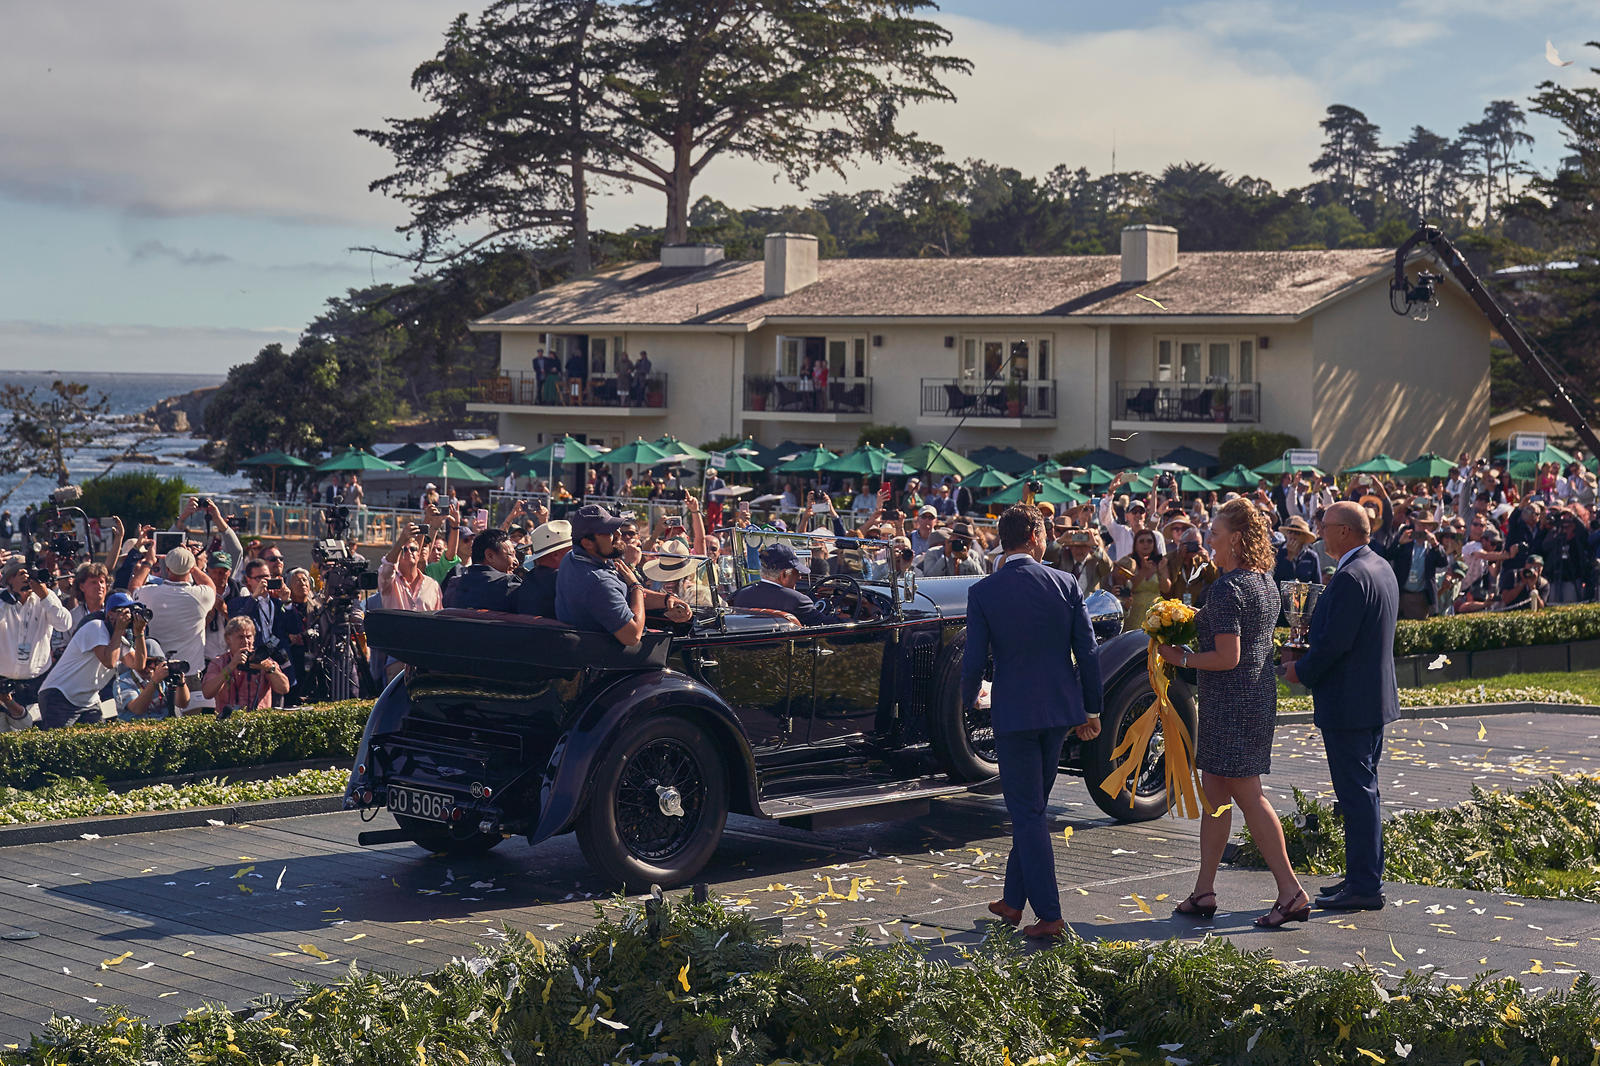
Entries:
{"x":509,"y":725}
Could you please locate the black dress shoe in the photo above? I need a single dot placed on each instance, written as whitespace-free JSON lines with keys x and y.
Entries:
{"x":1350,"y":901}
{"x":1333,"y":889}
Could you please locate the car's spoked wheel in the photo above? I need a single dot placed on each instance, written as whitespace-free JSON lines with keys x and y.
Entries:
{"x":1151,"y":779}
{"x":980,"y":733}
{"x":660,"y":800}
{"x":962,"y":737}
{"x":656,"y":804}
{"x":1125,"y":701}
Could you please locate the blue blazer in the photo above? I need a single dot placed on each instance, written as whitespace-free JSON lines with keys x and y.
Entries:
{"x":1350,"y":666}
{"x":1030,"y":616}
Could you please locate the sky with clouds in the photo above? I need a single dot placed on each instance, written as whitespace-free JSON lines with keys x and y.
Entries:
{"x":180,"y":184}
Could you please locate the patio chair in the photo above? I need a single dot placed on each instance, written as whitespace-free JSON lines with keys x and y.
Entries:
{"x":1143,"y":402}
{"x":853,"y":398}
{"x":956,"y":401}
{"x":1198,"y":407}
{"x":791,"y":399}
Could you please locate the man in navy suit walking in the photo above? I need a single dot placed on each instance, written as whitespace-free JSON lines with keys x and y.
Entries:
{"x":1350,"y":672}
{"x":1029,"y":617}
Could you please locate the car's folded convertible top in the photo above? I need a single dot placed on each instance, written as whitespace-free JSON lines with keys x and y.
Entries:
{"x":504,"y":646}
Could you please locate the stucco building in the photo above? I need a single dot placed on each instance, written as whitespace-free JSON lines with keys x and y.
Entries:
{"x":1137,"y":352}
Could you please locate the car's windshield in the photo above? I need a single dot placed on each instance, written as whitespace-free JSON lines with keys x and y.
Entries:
{"x":823,"y":554}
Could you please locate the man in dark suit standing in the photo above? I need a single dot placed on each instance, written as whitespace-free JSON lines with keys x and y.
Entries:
{"x":780,"y":573}
{"x":1350,"y":672}
{"x":1028,"y":616}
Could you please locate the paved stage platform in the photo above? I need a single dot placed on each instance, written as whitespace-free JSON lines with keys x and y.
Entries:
{"x":160,"y":922}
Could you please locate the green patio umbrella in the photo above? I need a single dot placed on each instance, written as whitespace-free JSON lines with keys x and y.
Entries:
{"x":354,"y":461}
{"x":809,"y":461}
{"x":1101,"y":457}
{"x":938,"y":461}
{"x":272,"y":461}
{"x":867,"y":459}
{"x":733,"y":463}
{"x":403,"y":454}
{"x":1378,"y":464}
{"x":1196,"y":483}
{"x":673,"y":446}
{"x":1280,"y":466}
{"x":1193,"y":458}
{"x":987,"y":478}
{"x":1548,"y":454}
{"x":1048,"y":470}
{"x":577,"y":452}
{"x":1427,"y":465}
{"x":1238,"y":477}
{"x":1139,"y":487}
{"x":747,"y":448}
{"x":1054,"y":493}
{"x":1007,"y":460}
{"x":1094,"y":477}
{"x":640,"y":453}
{"x":445,"y":467}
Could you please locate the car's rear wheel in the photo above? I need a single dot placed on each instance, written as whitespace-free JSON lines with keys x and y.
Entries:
{"x":656,"y":806}
{"x":1124,"y":703}
{"x":962,"y":737}
{"x":444,"y":840}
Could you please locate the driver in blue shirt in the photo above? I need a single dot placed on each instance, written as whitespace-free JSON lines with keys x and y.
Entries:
{"x":596,"y":589}
{"x":780,"y":573}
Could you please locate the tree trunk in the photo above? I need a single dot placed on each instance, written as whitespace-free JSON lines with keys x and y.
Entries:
{"x":678,"y":190}
{"x":580,"y":193}
{"x":580,"y":217}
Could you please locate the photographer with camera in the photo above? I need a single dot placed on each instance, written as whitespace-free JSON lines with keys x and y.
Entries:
{"x":1523,"y":588}
{"x":954,"y":558}
{"x":215,"y":520}
{"x":180,"y":600}
{"x":400,"y":576}
{"x":272,"y":624}
{"x":159,"y":689}
{"x":1140,"y":580}
{"x":1136,"y":512}
{"x":1189,"y":568}
{"x":71,"y":691}
{"x":1084,"y":558}
{"x":244,"y":677}
{"x":29,"y":611}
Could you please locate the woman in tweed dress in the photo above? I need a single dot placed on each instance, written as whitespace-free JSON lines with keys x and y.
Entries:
{"x":1238,"y":709}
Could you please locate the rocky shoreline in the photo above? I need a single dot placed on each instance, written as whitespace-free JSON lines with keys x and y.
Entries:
{"x":179,"y":414}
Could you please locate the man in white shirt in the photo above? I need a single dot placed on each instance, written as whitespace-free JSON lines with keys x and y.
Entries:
{"x":71,"y":691}
{"x":179,"y":602}
{"x":29,"y":611}
{"x":1122,"y":535}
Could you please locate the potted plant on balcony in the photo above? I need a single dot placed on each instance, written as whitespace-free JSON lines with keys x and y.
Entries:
{"x":1219,"y":404}
{"x":757,"y":388}
{"x":1013,"y":399}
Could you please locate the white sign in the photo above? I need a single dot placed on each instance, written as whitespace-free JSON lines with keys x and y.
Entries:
{"x":558,"y":451}
{"x":1302,"y":457}
{"x":1527,"y":442}
{"x":893,"y":468}
{"x":719,"y":462}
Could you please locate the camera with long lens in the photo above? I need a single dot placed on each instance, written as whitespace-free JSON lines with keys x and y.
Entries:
{"x":338,"y":521}
{"x":344,"y":578}
{"x":262,"y":653}
{"x":139,"y":610}
{"x":41,"y":575}
{"x":167,"y":688}
{"x":1166,"y":482}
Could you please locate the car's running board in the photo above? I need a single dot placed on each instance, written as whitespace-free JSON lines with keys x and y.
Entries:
{"x":866,"y":803}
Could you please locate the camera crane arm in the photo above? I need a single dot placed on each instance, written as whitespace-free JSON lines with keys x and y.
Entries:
{"x":1422,"y":292}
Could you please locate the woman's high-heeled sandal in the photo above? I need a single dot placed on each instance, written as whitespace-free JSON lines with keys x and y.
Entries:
{"x":1280,"y":914}
{"x":1196,"y":909}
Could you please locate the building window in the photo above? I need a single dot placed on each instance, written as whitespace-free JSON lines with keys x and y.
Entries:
{"x":846,"y":357}
{"x":1012,"y":358}
{"x":1205,"y":360}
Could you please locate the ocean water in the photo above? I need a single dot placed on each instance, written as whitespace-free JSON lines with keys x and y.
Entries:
{"x":127,"y":394}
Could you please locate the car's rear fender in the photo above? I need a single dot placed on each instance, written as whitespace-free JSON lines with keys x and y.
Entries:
{"x":577,"y":754}
{"x":392,"y":705}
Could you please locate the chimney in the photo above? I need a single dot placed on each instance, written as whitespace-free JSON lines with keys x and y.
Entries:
{"x":1148,"y":252}
{"x":691,"y":256}
{"x":791,"y":260}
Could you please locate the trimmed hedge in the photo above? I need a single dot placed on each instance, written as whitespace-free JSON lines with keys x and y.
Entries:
{"x":1565,"y":624}
{"x":698,"y":985}
{"x":134,"y":751}
{"x":78,"y":798}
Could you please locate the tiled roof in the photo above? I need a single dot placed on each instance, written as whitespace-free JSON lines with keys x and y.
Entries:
{"x":730,"y":293}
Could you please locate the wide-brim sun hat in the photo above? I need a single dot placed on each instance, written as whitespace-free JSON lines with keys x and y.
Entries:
{"x":550,"y":537}
{"x":671,"y":563}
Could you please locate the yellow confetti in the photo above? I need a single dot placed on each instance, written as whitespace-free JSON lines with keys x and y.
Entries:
{"x":1394,"y":950}
{"x":1480,"y":853}
{"x":118,"y":961}
{"x":1373,"y":1055}
{"x":538,"y":945}
{"x":312,"y":950}
{"x":1536,"y":967}
{"x":353,"y":939}
{"x":683,"y":975}
{"x":1220,"y":811}
{"x":545,"y":995}
{"x":1066,"y":834}
{"x":1161,"y":897}
{"x":242,"y":871}
{"x":164,"y":995}
{"x":1150,"y":300}
{"x":1482,"y":732}
{"x":186,"y":954}
{"x":1141,"y":903}
{"x":418,"y":940}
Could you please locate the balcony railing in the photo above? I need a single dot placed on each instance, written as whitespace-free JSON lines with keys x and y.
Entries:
{"x":1152,"y":401}
{"x":843,"y":396}
{"x":960,"y":397}
{"x":524,"y":388}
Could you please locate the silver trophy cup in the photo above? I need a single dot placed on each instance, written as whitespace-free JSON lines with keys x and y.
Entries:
{"x":1299,"y":601}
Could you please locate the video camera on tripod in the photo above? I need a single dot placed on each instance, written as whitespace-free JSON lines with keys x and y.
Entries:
{"x":344,"y":577}
{"x":68,"y":532}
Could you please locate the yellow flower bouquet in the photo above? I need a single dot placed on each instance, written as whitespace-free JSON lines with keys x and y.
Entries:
{"x":1168,"y":622}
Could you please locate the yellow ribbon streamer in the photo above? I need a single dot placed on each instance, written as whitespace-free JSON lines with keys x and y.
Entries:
{"x":1181,"y":791}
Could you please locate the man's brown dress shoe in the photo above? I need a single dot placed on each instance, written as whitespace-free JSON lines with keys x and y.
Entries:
{"x":1046,"y":930}
{"x":1008,"y":914}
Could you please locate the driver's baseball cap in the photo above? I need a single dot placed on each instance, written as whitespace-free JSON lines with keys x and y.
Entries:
{"x":591,"y":519}
{"x":219,"y":560}
{"x":781,"y":557}
{"x":118,"y":600}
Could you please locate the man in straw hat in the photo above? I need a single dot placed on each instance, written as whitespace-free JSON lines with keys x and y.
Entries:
{"x":547,"y":546}
{"x":1296,"y":559}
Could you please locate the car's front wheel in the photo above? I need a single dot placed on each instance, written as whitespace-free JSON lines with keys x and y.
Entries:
{"x":657,"y":805}
{"x":1146,"y":796}
{"x":962,"y":737}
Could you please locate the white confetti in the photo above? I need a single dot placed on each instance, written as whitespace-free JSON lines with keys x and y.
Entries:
{"x":88,"y":836}
{"x":215,"y":821}
{"x":279,"y":886}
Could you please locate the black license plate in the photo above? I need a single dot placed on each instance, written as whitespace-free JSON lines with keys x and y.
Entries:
{"x":415,"y":803}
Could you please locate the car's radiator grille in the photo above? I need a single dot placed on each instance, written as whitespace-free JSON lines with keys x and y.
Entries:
{"x":916,"y":684}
